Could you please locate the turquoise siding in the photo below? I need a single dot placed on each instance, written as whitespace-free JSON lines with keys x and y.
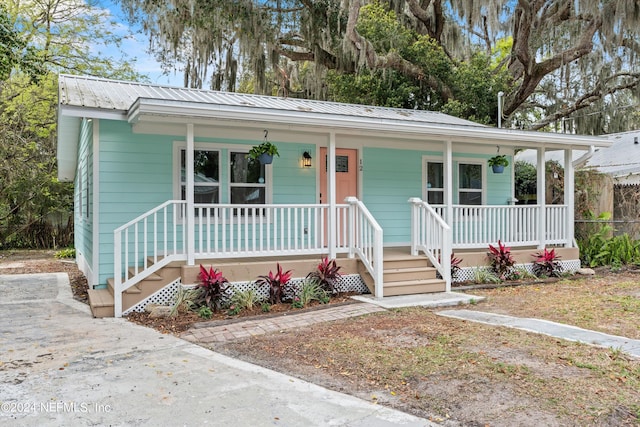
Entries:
{"x":136,"y":175}
{"x":83,"y":194}
{"x":391,"y":177}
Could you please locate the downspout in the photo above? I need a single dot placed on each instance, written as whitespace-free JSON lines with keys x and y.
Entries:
{"x":189,"y":223}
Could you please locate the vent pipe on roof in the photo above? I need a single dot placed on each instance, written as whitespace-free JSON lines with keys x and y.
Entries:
{"x":635,"y":139}
{"x":500,"y":95}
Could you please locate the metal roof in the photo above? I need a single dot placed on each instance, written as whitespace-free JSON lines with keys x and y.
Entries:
{"x":621,"y":158}
{"x":114,"y":95}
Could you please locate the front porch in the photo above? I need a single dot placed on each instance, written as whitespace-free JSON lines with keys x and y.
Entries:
{"x":249,"y":239}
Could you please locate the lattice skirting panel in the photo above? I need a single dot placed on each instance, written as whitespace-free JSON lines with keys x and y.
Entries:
{"x":467,"y":274}
{"x":166,"y":295}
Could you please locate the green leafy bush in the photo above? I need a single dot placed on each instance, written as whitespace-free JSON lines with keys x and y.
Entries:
{"x":65,"y":253}
{"x":245,"y":300}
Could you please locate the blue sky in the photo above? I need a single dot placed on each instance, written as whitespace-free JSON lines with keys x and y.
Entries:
{"x":136,"y":47}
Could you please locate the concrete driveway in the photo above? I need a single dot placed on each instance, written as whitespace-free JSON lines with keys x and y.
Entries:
{"x":60,"y":366}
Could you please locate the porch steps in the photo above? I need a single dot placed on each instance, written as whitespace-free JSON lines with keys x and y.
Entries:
{"x":101,"y":301}
{"x":405,"y":274}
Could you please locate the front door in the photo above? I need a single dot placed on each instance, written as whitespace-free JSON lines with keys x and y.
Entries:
{"x":346,"y":174}
{"x":346,"y":183}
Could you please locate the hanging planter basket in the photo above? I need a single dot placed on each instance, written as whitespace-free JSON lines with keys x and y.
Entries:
{"x":265,"y":158}
{"x":264,"y":152}
{"x":498,"y":163}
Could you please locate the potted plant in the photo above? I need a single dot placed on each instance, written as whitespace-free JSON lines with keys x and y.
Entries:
{"x":498,"y":163}
{"x":264,"y":152}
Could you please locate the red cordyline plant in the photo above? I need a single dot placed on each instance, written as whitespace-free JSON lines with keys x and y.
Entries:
{"x":501,"y":260}
{"x":546,"y":264}
{"x":455,"y":265}
{"x":277,"y":283}
{"x":214,"y":288}
{"x":327,"y":275}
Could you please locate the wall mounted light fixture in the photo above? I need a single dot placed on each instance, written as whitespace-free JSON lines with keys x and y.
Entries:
{"x":306,"y":159}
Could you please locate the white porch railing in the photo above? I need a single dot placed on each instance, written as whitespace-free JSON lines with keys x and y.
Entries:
{"x":231,"y":230}
{"x":158,"y":237}
{"x":365,"y":240}
{"x":514,"y":225}
{"x":431,"y":235}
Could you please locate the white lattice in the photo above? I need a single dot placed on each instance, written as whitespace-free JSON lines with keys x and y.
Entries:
{"x":166,"y":295}
{"x":467,"y":274}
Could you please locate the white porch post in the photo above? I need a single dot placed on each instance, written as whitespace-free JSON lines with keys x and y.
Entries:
{"x":541,"y":197}
{"x":331,"y":189}
{"x":448,"y":182}
{"x":569,"y":197}
{"x":189,"y":223}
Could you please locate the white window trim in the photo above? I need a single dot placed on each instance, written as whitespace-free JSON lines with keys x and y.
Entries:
{"x":425,"y":160}
{"x":225,"y":161}
{"x":483,"y":173}
{"x":267,"y":177}
{"x":457,"y":161}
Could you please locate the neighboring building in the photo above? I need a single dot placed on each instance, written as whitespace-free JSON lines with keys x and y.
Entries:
{"x":162,"y":179}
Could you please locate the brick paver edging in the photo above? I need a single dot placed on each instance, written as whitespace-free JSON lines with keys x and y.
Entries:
{"x":262,"y":326}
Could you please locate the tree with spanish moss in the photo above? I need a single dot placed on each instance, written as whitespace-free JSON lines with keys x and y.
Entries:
{"x":570,"y":65}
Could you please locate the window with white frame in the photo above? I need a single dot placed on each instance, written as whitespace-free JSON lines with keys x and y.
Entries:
{"x":247,"y":184}
{"x":435,"y":182}
{"x":206,"y":176}
{"x":470,"y":184}
{"x":245,"y":181}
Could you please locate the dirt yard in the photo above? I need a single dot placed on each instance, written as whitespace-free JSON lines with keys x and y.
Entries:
{"x":460,"y":373}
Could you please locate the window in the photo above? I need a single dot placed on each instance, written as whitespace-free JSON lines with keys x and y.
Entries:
{"x":222,"y":176}
{"x":435,"y":183}
{"x":469,"y":184}
{"x":206,"y":176}
{"x":247,"y":180}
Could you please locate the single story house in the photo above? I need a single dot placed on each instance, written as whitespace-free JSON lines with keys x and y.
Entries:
{"x":163,"y":182}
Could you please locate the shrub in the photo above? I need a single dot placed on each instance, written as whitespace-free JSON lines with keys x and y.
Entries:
{"x":327,"y":275}
{"x":183,"y":300}
{"x":310,"y":290}
{"x":65,"y":253}
{"x":277,"y":284}
{"x":214,"y":290}
{"x":501,"y":260}
{"x":482,"y":275}
{"x":546,"y":264}
{"x":205,"y":312}
{"x":245,"y":300}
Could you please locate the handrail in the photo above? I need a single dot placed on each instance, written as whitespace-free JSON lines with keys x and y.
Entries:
{"x":158,"y":232}
{"x":366,"y":240}
{"x":431,"y":235}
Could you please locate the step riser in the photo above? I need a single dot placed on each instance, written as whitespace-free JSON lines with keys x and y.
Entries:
{"x":100,"y":312}
{"x":407,"y":263}
{"x":401,"y":276}
{"x":414,"y":289}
